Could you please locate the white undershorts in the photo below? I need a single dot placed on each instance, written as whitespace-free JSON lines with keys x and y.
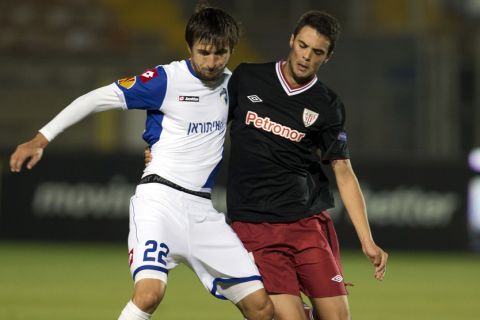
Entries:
{"x":168,"y":227}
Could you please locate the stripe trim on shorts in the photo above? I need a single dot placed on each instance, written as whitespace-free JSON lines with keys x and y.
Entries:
{"x":148,"y":267}
{"x":230,"y":280}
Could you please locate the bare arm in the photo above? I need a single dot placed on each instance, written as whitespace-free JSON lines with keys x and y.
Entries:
{"x":101,"y":99}
{"x":354,"y":202}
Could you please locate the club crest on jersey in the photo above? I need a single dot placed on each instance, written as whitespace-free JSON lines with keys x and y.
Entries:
{"x":127,"y":83}
{"x":189,"y":98}
{"x":148,"y":75}
{"x":223,"y":95}
{"x":309,"y":117}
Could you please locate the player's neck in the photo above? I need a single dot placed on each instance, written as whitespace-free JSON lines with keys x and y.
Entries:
{"x":292,"y":81}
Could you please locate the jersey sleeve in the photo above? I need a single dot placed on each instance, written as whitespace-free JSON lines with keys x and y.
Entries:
{"x":333,"y":137}
{"x":101,"y":99}
{"x":146,"y":91}
{"x":233,"y":92}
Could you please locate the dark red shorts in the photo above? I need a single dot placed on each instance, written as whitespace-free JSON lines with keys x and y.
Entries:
{"x":301,"y":256}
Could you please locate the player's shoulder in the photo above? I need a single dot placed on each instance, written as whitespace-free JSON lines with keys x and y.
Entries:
{"x":174,"y":67}
{"x":248,"y":67}
{"x":327,"y":93}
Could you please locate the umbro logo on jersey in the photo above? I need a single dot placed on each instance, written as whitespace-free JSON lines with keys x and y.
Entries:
{"x":188,"y":98}
{"x":309,"y":117}
{"x":254,"y":98}
{"x":337,"y":278}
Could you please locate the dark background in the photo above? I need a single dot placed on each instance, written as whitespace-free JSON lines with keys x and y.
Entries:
{"x":407,"y":71}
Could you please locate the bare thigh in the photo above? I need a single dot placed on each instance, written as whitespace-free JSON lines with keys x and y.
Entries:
{"x":288,"y":307}
{"x":332,"y":308}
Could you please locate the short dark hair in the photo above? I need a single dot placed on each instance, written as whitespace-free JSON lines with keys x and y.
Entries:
{"x":323,"y":22}
{"x":212,"y":25}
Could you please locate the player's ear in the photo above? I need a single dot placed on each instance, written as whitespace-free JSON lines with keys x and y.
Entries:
{"x":292,"y":38}
{"x":189,"y":49}
{"x":328,"y":58}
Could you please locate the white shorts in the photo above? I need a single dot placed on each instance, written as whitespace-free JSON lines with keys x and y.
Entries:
{"x":168,"y":227}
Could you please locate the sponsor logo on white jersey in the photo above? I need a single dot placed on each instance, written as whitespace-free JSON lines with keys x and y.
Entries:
{"x":309,"y":117}
{"x":148,"y":75}
{"x":276,"y":128}
{"x":337,"y":278}
{"x":205,"y":127}
{"x":254,"y":98}
{"x":130,"y":257}
{"x":189,"y":98}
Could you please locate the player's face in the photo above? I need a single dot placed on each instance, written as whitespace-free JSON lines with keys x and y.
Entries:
{"x":308,"y":51}
{"x":208,"y":60}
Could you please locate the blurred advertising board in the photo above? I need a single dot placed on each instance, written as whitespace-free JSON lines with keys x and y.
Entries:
{"x":77,"y":197}
{"x":410,"y":206}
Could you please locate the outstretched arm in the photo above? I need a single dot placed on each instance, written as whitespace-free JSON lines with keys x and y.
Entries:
{"x":105,"y":98}
{"x":354,"y":202}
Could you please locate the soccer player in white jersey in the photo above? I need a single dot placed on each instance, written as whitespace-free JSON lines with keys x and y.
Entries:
{"x":172,"y":219}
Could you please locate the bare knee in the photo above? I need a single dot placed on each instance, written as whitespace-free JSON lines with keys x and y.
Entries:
{"x":257,"y":306}
{"x":147,"y":301}
{"x":333,"y":308}
{"x":148,"y":294}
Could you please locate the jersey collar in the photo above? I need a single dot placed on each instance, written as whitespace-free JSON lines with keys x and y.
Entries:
{"x":190,"y":68}
{"x":286,"y":86}
{"x":192,"y":71}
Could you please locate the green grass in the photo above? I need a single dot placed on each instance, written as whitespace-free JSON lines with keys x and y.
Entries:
{"x":91,"y":281}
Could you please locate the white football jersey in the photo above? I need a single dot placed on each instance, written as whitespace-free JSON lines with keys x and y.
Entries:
{"x":186,"y":122}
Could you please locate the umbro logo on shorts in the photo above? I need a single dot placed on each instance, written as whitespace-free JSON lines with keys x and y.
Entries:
{"x":337,"y":278}
{"x":254,"y":98}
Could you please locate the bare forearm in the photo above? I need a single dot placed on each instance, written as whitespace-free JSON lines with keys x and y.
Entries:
{"x":354,"y":202}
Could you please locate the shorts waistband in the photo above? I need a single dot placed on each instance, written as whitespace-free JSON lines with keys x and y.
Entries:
{"x":154,"y":178}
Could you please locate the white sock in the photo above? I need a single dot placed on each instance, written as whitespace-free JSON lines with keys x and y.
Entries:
{"x":132,"y":312}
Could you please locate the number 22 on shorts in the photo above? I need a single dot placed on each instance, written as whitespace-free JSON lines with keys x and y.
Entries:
{"x":153,"y":247}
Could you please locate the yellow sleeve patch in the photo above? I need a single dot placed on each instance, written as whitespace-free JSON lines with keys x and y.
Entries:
{"x":127,"y":83}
